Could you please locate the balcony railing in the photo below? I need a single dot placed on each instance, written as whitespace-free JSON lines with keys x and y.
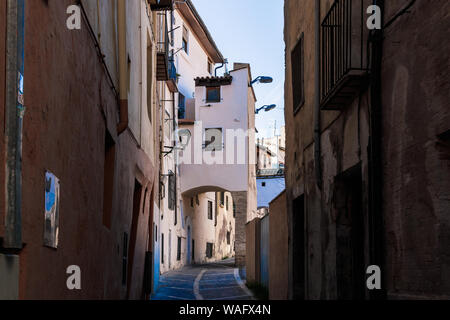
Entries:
{"x":161,"y":5}
{"x":344,"y":46}
{"x":162,"y":50}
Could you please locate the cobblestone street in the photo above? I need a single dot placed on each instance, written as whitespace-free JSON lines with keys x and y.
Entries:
{"x":215,"y":281}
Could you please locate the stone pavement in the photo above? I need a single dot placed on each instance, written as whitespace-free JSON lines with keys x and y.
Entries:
{"x":214,"y":281}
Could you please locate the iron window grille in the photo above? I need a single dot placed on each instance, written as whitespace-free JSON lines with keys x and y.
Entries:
{"x":344,"y":53}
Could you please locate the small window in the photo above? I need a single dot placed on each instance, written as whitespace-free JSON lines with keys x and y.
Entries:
{"x":179,"y":249}
{"x":222,"y":198}
{"x":226,"y":203}
{"x":210,"y":210}
{"x":228,"y":237}
{"x":234,"y":210}
{"x":212,"y":94}
{"x":213,"y":139}
{"x":209,"y":250}
{"x":192,"y":202}
{"x":297,"y":62}
{"x":263,"y":184}
{"x":197,"y":200}
{"x":185,"y":43}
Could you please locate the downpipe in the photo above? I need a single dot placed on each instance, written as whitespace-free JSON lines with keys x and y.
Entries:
{"x":317,"y":116}
{"x":123,"y":67}
{"x":376,"y":223}
{"x":14,"y":113}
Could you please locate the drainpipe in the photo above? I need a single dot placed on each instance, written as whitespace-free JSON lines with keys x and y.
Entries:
{"x":221,"y":66}
{"x":123,"y":67}
{"x":375,"y":161}
{"x":14,"y":122}
{"x":317,"y":126}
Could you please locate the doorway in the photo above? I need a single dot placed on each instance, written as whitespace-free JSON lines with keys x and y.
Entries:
{"x":350,"y":270}
{"x":134,"y":226}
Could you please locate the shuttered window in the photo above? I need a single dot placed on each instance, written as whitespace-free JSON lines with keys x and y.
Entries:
{"x":297,"y":62}
{"x":172,"y":190}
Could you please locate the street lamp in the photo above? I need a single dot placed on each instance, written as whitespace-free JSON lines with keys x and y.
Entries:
{"x":262,"y":79}
{"x":266,"y":108}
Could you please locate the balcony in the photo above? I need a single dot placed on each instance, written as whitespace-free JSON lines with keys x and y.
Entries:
{"x":162,"y":51}
{"x":344,"y":45}
{"x":161,"y":5}
{"x":172,"y":80}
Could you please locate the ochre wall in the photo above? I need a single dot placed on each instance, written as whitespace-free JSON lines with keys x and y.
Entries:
{"x":278,"y":249}
{"x":69,"y":106}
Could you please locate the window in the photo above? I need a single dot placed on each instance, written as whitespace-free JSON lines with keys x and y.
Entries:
{"x":197,"y":200}
{"x":181,"y":106}
{"x":297,"y":62}
{"x":192,"y":202}
{"x":212,"y":94}
{"x":179,"y":249}
{"x":210,"y":210}
{"x":226,"y":202}
{"x":209,"y":250}
{"x":228,"y":237}
{"x":210,"y":66}
{"x":213,"y":139}
{"x":185,"y":43}
{"x":222,"y":198}
{"x":263,"y":184}
{"x":234,"y":210}
{"x":172,"y":191}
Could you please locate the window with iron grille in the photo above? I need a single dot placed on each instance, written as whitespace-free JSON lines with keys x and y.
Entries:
{"x":344,"y":53}
{"x":209,"y":250}
{"x":297,"y":62}
{"x":210,"y":210}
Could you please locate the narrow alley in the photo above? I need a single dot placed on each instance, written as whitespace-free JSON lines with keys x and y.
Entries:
{"x":212,"y":281}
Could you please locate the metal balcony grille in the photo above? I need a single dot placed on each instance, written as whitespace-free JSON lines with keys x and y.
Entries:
{"x":344,"y":48}
{"x":162,"y":50}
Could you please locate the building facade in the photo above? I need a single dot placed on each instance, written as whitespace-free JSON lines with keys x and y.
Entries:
{"x":367,"y":167}
{"x":220,"y":156}
{"x":82,"y":156}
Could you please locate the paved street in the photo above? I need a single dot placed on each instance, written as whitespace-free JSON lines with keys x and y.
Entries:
{"x":215,"y":281}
